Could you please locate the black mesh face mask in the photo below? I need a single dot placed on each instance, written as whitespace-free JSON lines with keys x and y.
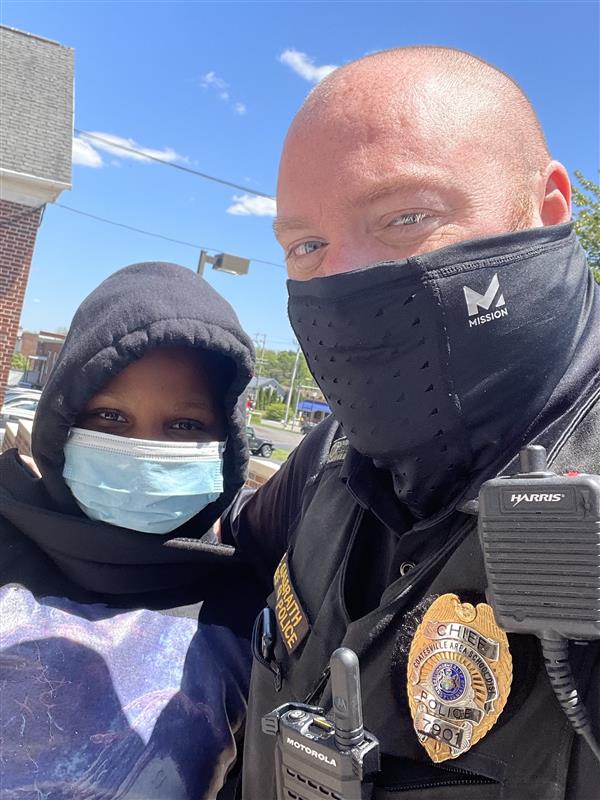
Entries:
{"x":435,"y":363}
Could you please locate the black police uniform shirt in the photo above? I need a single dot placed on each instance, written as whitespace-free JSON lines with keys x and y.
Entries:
{"x":364,"y":566}
{"x":109,"y":687}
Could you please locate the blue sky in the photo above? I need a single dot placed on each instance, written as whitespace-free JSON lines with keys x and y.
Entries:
{"x":214,"y":85}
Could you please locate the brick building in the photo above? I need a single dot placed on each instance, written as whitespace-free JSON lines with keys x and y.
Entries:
{"x":36,"y":133}
{"x":26,"y":343}
{"x":41,"y":350}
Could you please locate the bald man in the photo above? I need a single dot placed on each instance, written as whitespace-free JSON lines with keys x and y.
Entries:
{"x":446,"y":310}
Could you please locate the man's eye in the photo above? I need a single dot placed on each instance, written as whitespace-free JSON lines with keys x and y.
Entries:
{"x":110,"y":415}
{"x":187,"y":425}
{"x":306,"y":248}
{"x":408,"y":219}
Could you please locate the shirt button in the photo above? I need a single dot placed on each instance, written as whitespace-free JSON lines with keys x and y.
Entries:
{"x":406,"y":567}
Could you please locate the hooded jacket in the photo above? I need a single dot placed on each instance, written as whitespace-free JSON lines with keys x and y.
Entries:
{"x":110,"y":688}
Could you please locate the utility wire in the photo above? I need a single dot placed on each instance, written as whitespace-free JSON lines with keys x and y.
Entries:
{"x":158,"y":235}
{"x":204,"y":175}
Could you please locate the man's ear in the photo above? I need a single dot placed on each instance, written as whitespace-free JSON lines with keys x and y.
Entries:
{"x":555,"y":203}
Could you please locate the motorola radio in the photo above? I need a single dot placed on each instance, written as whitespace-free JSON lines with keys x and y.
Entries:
{"x":540,"y":535}
{"x":319,"y":757}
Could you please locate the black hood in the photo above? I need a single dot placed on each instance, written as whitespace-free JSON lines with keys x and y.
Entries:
{"x":138,"y":309}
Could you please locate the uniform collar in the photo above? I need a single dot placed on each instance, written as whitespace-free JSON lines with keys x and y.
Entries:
{"x":372,"y":489}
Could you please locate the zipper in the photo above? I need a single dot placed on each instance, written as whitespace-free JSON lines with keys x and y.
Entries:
{"x":409,"y":787}
{"x":581,"y":413}
{"x":317,"y":690}
{"x":463,"y":778}
{"x":257,"y":650}
{"x":348,"y":554}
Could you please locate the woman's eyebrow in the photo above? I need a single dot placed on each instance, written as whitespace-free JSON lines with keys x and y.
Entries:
{"x":194,"y":403}
{"x":104,"y":400}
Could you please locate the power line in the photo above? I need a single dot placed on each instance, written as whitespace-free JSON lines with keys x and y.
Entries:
{"x":260,"y":360}
{"x":143,"y":153}
{"x":158,"y":235}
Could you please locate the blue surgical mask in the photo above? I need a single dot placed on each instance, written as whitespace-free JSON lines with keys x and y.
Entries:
{"x":147,"y":486}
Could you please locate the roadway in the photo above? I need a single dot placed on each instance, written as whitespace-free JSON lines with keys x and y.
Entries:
{"x":282,"y":439}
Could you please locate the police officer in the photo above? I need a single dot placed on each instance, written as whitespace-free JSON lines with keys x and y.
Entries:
{"x":446,"y":310}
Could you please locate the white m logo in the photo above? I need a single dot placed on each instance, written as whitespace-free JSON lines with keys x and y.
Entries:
{"x":475,"y":301}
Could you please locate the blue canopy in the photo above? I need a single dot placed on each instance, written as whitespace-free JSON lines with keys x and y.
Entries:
{"x":313,"y":405}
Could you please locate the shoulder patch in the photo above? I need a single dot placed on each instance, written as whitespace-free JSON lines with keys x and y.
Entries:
{"x":338,"y":450}
{"x":291,"y":619}
{"x":459,"y":676}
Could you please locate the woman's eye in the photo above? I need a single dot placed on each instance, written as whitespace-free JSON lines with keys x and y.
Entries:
{"x":187,"y":425}
{"x":306,"y":248}
{"x":110,"y":415}
{"x":408,"y":219}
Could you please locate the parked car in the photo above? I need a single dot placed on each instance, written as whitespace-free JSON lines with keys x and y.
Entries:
{"x":16,"y":399}
{"x":15,"y":392}
{"x":258,"y":446}
{"x":18,"y":408}
{"x":307,"y":426}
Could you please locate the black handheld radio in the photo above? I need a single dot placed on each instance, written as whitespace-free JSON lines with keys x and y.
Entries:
{"x":540,"y":535}
{"x":318,"y":758}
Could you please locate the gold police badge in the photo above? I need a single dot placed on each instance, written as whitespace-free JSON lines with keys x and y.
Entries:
{"x":459,"y":676}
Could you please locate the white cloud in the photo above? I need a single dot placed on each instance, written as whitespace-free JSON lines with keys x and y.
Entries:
{"x":212,"y":81}
{"x":109,"y":142}
{"x":86,"y":147}
{"x":303,"y":65}
{"x":84,"y":154}
{"x":248,"y":205}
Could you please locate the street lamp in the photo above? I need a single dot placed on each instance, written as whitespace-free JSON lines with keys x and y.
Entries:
{"x":291,"y":391}
{"x":223,"y":262}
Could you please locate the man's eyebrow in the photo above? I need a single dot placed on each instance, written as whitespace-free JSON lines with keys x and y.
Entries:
{"x":283,"y":224}
{"x":401,"y":183}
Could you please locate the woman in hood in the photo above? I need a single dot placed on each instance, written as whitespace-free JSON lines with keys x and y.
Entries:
{"x":109,"y":687}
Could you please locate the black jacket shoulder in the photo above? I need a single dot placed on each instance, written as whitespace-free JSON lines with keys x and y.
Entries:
{"x":260,"y":525}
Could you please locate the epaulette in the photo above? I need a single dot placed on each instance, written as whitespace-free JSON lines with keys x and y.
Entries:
{"x":338,"y":450}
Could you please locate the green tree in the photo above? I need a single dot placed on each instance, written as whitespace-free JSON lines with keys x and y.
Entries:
{"x":18,"y":361}
{"x":275,"y":411}
{"x":279,"y":364}
{"x":586,"y":199}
